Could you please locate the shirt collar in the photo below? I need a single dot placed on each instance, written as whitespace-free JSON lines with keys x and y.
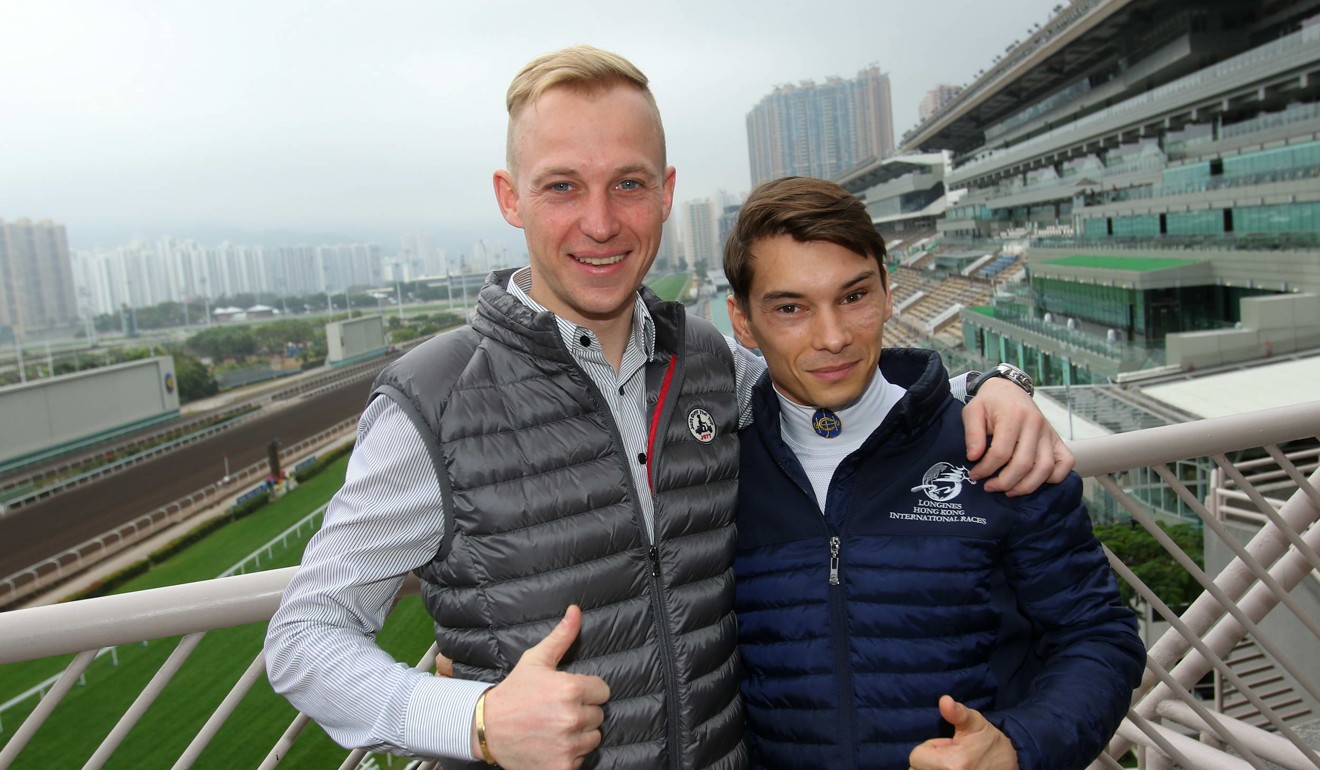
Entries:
{"x":859,"y":420}
{"x":643,"y":327}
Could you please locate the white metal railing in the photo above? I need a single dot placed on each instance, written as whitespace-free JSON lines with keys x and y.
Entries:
{"x":1167,"y":726}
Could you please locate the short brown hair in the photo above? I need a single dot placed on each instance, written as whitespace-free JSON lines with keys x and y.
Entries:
{"x":806,"y":209}
{"x":583,"y":67}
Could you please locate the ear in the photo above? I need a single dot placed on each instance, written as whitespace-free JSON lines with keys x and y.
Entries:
{"x":506,"y":195}
{"x":668,"y":187}
{"x":742,"y":327}
{"x":889,"y":301}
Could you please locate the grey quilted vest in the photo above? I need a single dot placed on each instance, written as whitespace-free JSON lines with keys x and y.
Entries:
{"x":542,"y":515}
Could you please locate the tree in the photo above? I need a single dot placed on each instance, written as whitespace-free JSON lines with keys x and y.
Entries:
{"x":1143,"y":554}
{"x":223,"y":342}
{"x":194,"y":377}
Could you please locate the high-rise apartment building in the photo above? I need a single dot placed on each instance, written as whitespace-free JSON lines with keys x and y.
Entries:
{"x":701,"y":243}
{"x":935,"y":98}
{"x":36,"y":276}
{"x":821,"y":130}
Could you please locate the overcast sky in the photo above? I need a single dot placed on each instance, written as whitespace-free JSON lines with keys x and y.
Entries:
{"x":363,"y":120}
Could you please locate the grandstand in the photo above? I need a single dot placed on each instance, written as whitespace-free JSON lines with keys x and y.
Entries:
{"x":1159,"y":164}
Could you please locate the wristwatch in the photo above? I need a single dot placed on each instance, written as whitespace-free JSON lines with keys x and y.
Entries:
{"x":1008,"y":372}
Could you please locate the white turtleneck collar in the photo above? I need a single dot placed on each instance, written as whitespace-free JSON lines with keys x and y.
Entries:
{"x":820,"y":457}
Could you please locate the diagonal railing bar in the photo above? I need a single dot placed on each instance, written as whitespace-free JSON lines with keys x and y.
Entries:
{"x":354,"y":759}
{"x":1225,"y":604}
{"x":1220,"y":665}
{"x":1220,"y":730}
{"x":1293,"y":473}
{"x":44,"y":708}
{"x":222,"y":713}
{"x":1139,"y":730}
{"x":1202,"y":618}
{"x":182,"y":651}
{"x":1105,"y":762}
{"x":1267,"y":746}
{"x":1236,"y":578}
{"x":1227,"y":538}
{"x":1269,"y":512}
{"x":282,"y":746}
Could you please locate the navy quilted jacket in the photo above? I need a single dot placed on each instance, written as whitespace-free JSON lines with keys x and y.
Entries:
{"x":916,"y":583}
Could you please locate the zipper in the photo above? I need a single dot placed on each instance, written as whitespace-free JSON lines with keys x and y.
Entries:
{"x":657,"y":596}
{"x":839,"y":634}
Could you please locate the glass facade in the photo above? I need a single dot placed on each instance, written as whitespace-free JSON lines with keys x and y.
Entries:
{"x":1278,"y":159}
{"x":1209,"y":222}
{"x":1140,"y":226}
{"x":1283,"y":218}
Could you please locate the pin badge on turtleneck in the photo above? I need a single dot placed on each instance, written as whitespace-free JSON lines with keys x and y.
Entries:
{"x":826,"y":423}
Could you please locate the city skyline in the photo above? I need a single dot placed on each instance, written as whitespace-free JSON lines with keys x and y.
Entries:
{"x":252,"y":122}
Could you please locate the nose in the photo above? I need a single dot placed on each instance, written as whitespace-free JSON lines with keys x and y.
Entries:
{"x":599,"y":220}
{"x":831,"y":331}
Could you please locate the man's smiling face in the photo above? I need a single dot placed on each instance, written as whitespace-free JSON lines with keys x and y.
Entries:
{"x":590,"y":189}
{"x":817,"y":312}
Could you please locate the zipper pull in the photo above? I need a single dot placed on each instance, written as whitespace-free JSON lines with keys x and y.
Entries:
{"x":834,"y":561}
{"x":654,"y":553}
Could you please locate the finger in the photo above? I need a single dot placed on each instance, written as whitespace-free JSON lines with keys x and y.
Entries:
{"x":963,"y":718}
{"x":952,"y":711}
{"x":550,"y":650}
{"x":444,"y":666}
{"x":926,"y":756}
{"x":594,"y":690}
{"x":1040,"y":471}
{"x":974,"y":420}
{"x":1063,"y":460}
{"x":1021,"y":450}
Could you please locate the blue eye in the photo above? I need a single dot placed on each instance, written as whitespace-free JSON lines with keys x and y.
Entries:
{"x":630,"y":184}
{"x":561,"y":186}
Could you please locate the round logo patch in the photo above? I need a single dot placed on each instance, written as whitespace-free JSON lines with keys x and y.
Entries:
{"x":701,"y":425}
{"x":169,"y":382}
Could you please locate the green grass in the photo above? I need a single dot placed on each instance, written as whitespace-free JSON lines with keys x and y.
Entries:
{"x":89,"y":712}
{"x":670,"y":287}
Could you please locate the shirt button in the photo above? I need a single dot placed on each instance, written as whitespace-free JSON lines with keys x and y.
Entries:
{"x":586,"y":341}
{"x":641,"y":458}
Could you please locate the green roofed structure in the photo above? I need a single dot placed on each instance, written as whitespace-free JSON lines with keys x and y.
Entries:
{"x":1138,"y":264}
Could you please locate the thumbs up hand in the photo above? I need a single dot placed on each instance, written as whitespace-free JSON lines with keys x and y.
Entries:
{"x":540,"y":717}
{"x":976,"y":744}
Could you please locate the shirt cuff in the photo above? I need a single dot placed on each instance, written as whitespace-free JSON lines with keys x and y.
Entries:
{"x":958,"y":385}
{"x":439,"y":718}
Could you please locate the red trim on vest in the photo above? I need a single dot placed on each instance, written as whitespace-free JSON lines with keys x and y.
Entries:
{"x":655,"y":418}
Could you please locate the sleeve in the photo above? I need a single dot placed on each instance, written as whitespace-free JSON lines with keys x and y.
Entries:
{"x":748,"y":367}
{"x":1085,"y":636}
{"x":320,"y":645}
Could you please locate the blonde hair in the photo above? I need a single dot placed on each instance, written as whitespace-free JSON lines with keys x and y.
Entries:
{"x":584,"y":68}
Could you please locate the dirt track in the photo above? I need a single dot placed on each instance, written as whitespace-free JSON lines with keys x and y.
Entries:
{"x":33,"y":533}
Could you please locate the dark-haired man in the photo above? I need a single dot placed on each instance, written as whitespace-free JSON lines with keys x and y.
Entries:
{"x":892,"y":611}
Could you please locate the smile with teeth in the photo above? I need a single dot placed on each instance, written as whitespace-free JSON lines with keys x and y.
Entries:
{"x":600,"y":261}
